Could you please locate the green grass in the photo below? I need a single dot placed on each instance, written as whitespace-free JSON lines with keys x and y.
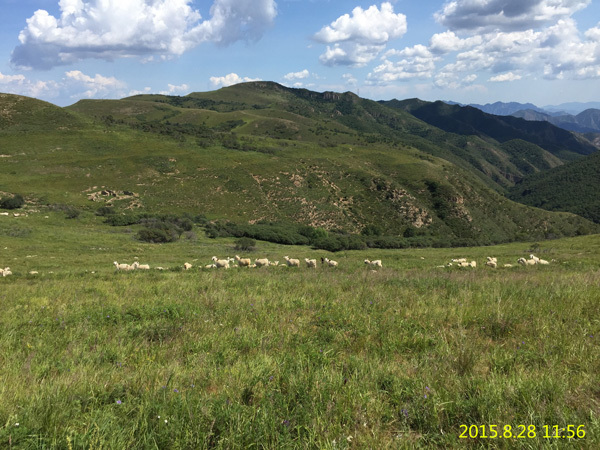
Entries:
{"x":289,"y":358}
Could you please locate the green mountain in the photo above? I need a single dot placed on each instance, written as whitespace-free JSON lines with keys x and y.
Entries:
{"x":472,"y":121}
{"x":573,"y":187}
{"x":260,"y":153}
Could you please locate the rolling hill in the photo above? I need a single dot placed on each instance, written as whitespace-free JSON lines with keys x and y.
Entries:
{"x":260,"y":153}
{"x":573,"y":187}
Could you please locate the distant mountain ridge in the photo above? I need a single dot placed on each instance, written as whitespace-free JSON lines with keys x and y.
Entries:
{"x":586,"y":120}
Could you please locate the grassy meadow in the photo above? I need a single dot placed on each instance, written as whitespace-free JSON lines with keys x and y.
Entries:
{"x":291,"y":358}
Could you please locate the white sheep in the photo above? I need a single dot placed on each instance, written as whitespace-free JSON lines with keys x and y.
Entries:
{"x":274,"y":263}
{"x":543,"y":262}
{"x":376,"y":263}
{"x":261,"y":262}
{"x":526,"y":262}
{"x":5,"y":272}
{"x":491,"y":263}
{"x":311,"y":263}
{"x":33,"y":272}
{"x":221,"y":263}
{"x":507,"y":265}
{"x":123,"y":266}
{"x":210,"y":266}
{"x":460,"y":260}
{"x":136,"y":265}
{"x":330,"y":262}
{"x":187,"y":266}
{"x":535,"y":258}
{"x":243,"y":262}
{"x":292,"y":262}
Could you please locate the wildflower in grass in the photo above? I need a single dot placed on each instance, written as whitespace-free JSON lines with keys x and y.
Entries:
{"x":286,"y":423}
{"x":176,"y":391}
{"x":119,"y":402}
{"x":17,"y":424}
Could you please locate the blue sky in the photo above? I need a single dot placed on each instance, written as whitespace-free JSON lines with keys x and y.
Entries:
{"x":540,"y":51}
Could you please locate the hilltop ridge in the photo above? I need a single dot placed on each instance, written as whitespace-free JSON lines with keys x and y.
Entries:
{"x":262,"y":153}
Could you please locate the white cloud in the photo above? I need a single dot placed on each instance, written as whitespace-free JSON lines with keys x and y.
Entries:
{"x":505,"y":15}
{"x":449,"y":42}
{"x":358,"y":39}
{"x":415,"y":62}
{"x":20,"y":85}
{"x":509,"y":76}
{"x":297,"y":75}
{"x":350,"y":79}
{"x":109,"y":29}
{"x":230,"y":80}
{"x":173,"y":89}
{"x":97,"y":86}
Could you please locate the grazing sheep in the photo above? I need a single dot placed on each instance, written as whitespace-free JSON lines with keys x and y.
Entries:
{"x":292,"y":262}
{"x":221,"y":263}
{"x":5,"y":272}
{"x":526,"y":262}
{"x":123,"y":266}
{"x":33,"y":272}
{"x":330,"y":262}
{"x":535,"y":258}
{"x":376,"y":263}
{"x":243,"y":262}
{"x":310,"y":263}
{"x":507,"y":265}
{"x":136,"y":265}
{"x":262,"y":262}
{"x":543,"y":262}
{"x":274,"y":263}
{"x":210,"y":266}
{"x":491,"y":263}
{"x":187,"y":266}
{"x":460,"y":260}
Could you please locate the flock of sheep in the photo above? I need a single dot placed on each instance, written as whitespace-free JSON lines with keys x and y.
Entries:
{"x":493,"y":262}
{"x":226,"y":263}
{"x":229,"y":262}
{"x":237,"y":261}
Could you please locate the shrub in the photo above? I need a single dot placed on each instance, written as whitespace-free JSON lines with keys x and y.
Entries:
{"x":104,"y":211}
{"x":72,"y":212}
{"x":14,"y":202}
{"x":245,"y":244}
{"x":121,"y":220}
{"x":155,"y":235}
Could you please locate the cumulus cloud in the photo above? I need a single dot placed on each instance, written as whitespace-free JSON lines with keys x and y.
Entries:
{"x":505,"y":15}
{"x":110,"y":29}
{"x":414,"y":62}
{"x":97,"y":86}
{"x":173,"y":89}
{"x":509,"y":76}
{"x":358,"y":39}
{"x":230,"y":80}
{"x":292,"y":76}
{"x":20,"y":85}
